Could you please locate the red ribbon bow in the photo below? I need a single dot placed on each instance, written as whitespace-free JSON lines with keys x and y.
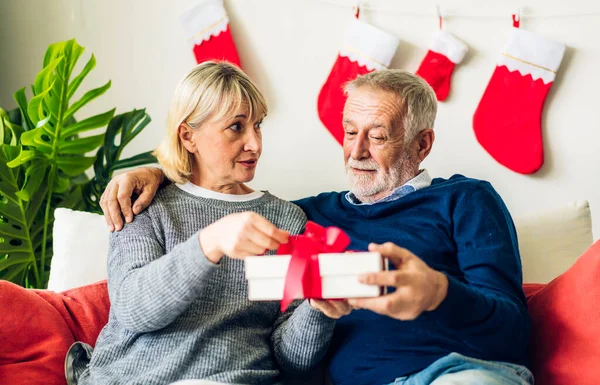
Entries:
{"x":303,"y":278}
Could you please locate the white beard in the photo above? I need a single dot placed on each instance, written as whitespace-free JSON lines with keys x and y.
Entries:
{"x":368,"y":187}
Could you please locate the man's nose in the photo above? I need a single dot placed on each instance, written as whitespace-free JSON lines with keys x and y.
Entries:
{"x":360,"y":148}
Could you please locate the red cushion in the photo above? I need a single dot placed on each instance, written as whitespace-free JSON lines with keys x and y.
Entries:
{"x":531,"y":289}
{"x":84,"y":309}
{"x":37,"y":327}
{"x":565,"y":315}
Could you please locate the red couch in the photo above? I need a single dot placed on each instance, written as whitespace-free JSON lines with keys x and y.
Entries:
{"x":38,"y":326}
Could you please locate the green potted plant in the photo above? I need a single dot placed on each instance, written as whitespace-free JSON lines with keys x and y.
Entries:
{"x":44,"y":157}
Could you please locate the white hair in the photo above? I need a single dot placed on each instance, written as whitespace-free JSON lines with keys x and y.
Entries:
{"x":418,"y":103}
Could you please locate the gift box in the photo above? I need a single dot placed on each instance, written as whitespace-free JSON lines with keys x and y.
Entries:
{"x":312,"y":265}
{"x":338,"y":276}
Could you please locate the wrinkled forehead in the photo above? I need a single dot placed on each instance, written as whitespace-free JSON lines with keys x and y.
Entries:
{"x":367,"y":108}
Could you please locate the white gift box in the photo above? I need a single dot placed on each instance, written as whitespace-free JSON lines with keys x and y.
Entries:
{"x":339,"y":275}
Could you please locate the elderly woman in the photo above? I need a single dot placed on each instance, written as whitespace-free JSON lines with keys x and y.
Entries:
{"x":179,"y":307}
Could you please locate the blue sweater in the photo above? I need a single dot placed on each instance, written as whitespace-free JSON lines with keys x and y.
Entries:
{"x":459,"y":226}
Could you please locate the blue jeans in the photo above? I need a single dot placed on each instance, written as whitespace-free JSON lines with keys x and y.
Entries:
{"x":460,"y":370}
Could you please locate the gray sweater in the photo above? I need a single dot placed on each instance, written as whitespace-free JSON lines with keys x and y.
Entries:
{"x":175,"y":315}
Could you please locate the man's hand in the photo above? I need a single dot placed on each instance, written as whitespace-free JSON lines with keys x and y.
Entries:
{"x":116,"y":199}
{"x":331,"y":308}
{"x":419,"y":288}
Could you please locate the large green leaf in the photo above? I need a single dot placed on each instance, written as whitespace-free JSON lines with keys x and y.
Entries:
{"x":24,"y":156}
{"x":40,"y":137}
{"x":85,"y":99}
{"x":75,"y":165}
{"x":51,"y":153}
{"x":34,"y":177}
{"x":10,"y":128}
{"x":44,"y":157}
{"x":81,"y":145}
{"x":18,"y":260}
{"x":21,"y":100}
{"x":90,"y":123}
{"x":125,"y":126}
{"x":44,"y":77}
{"x":42,"y":86}
{"x":134,"y":161}
{"x":91,"y":64}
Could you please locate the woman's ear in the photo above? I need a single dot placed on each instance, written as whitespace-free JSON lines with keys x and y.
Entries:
{"x":186,"y":135}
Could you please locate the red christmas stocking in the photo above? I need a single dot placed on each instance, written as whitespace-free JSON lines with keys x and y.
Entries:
{"x":207,"y":25}
{"x":445,"y":52}
{"x":507,"y":122}
{"x":365,"y":49}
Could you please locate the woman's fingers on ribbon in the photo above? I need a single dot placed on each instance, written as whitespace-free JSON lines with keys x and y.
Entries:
{"x":246,"y":251}
{"x":260,"y":240}
{"x":247,"y":242}
{"x":263,"y":225}
{"x":247,"y":234}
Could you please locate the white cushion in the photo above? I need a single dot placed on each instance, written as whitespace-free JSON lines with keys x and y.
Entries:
{"x":80,"y":242}
{"x":551,"y":242}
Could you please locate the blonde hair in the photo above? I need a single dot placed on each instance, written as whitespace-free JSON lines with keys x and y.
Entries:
{"x":418,"y":103}
{"x":212,"y":90}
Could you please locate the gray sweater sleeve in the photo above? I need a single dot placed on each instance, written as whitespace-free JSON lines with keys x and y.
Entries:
{"x":149,"y":289}
{"x":301,"y":337}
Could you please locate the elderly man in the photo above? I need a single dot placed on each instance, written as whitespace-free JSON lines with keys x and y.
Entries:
{"x":456,"y":313}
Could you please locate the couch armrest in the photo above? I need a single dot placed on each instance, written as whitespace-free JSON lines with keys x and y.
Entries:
{"x":34,"y":338}
{"x":84,"y":309}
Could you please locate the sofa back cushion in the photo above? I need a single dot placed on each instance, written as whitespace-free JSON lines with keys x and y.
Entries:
{"x":80,"y":245}
{"x":550,"y":242}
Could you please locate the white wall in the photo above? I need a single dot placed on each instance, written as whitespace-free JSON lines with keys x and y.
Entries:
{"x":289,"y":47}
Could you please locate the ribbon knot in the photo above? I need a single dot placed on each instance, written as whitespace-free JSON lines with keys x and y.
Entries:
{"x":303,"y":278}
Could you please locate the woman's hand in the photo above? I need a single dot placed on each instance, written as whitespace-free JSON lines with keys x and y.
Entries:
{"x":331,"y":308}
{"x":240,"y":235}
